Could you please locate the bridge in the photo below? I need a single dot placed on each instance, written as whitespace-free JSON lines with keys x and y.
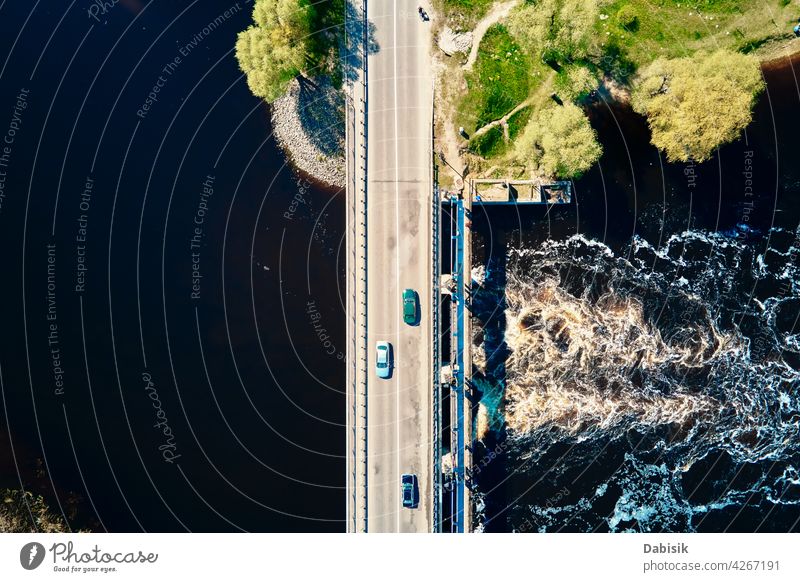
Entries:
{"x":396,"y":217}
{"x":392,"y":244}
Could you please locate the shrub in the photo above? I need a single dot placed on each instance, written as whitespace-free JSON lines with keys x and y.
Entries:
{"x":575,"y":82}
{"x":273,"y":51}
{"x":24,"y":512}
{"x":695,"y":104}
{"x":556,"y":30}
{"x":559,"y":142}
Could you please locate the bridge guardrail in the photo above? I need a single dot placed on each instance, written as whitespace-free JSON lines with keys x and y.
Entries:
{"x":356,"y":127}
{"x":363,"y":191}
{"x":436,"y":488}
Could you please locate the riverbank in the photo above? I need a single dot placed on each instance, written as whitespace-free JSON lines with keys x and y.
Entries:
{"x":308,"y":123}
{"x":667,"y":206}
{"x":482,"y":84}
{"x":779,"y":53}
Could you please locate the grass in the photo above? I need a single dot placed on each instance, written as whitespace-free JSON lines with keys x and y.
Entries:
{"x":462,"y":14}
{"x":499,"y":81}
{"x":675,"y":28}
{"x":708,"y":5}
{"x":490,"y":144}
{"x":518,"y":121}
{"x":503,"y":77}
{"x":629,"y":35}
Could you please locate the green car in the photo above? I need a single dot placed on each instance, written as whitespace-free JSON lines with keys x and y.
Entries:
{"x":410,"y":301}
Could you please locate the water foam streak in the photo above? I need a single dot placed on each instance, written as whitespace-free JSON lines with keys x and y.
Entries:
{"x":672,"y":355}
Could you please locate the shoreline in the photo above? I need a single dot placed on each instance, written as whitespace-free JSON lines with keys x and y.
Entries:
{"x":773,"y":59}
{"x":308,"y":124}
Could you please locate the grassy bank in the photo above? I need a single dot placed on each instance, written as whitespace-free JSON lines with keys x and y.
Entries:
{"x":462,"y":14}
{"x":646,"y":29}
{"x":500,"y":80}
{"x":623,"y":38}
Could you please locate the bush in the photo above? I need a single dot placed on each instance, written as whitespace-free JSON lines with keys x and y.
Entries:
{"x":695,"y":104}
{"x":559,"y":142}
{"x":24,"y":512}
{"x":575,"y":83}
{"x":273,"y":51}
{"x":557,"y":30}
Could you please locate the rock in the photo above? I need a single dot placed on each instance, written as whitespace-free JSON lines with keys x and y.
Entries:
{"x":451,"y":42}
{"x":308,"y":122}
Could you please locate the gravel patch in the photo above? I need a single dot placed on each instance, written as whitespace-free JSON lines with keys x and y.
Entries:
{"x":309,"y":122}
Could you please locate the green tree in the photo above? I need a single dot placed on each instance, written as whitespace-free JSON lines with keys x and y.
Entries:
{"x":575,"y":82}
{"x":557,"y":30}
{"x":695,"y":104}
{"x":274,"y":50}
{"x":559,"y":142}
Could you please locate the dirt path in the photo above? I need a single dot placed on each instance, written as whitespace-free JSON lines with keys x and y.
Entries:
{"x":497,"y":13}
{"x":503,"y":120}
{"x":450,"y":142}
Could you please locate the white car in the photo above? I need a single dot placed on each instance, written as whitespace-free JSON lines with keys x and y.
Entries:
{"x":383,"y":359}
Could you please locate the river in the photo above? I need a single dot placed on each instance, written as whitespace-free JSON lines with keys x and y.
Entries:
{"x":171,"y":323}
{"x":642,"y":370}
{"x":172,"y":329}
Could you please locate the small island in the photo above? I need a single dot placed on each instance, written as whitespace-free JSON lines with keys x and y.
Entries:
{"x":291,"y":56}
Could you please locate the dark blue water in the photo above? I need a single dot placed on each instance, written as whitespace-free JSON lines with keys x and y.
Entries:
{"x":171,"y":326}
{"x":643,"y":367}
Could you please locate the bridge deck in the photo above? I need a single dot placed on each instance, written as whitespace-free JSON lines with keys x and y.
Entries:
{"x":398,"y":243}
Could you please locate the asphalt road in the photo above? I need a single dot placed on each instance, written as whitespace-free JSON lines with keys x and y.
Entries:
{"x":399,"y":215}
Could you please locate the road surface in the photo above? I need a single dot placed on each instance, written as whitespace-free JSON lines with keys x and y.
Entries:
{"x":399,"y":256}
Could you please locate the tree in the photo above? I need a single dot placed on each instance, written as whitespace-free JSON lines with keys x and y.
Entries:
{"x":695,"y":104}
{"x":560,"y":142}
{"x":575,"y":82}
{"x":274,"y":50}
{"x":557,"y":30}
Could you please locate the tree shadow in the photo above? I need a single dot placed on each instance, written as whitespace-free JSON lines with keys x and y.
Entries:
{"x":321,"y":101}
{"x":615,"y":63}
{"x":358,"y":42}
{"x":320,"y":108}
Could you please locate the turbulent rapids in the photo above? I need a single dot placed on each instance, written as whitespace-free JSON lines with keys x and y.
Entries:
{"x":582,"y":364}
{"x":669,"y":357}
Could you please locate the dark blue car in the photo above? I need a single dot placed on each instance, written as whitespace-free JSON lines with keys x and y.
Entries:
{"x":409,"y":490}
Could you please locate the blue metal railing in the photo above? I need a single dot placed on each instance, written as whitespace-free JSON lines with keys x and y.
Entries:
{"x":458,"y":365}
{"x":436,"y":493}
{"x":364,"y":356}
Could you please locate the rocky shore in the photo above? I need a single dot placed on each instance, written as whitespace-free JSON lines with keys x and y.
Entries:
{"x":308,"y":122}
